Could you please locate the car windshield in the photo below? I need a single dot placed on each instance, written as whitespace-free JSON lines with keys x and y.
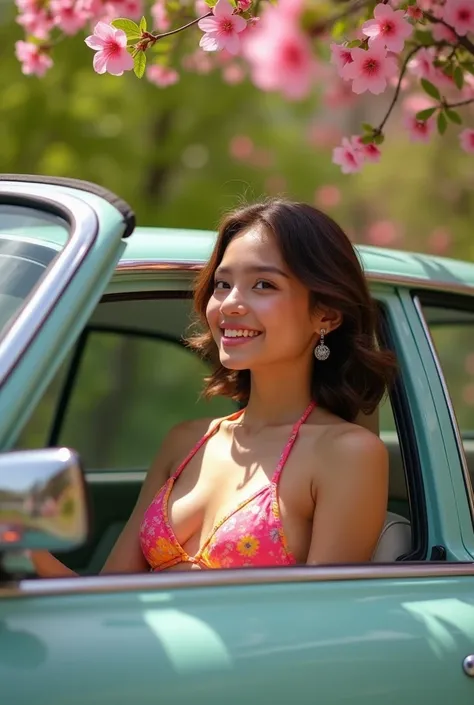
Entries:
{"x":21,"y":266}
{"x":29,"y":241}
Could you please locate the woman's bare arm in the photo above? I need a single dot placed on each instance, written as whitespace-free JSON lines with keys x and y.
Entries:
{"x":351,"y":501}
{"x":126,"y":555}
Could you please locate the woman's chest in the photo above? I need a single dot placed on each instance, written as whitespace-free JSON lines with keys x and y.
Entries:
{"x":243,"y":491}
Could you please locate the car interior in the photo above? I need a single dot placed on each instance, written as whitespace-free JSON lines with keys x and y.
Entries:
{"x":130,"y":378}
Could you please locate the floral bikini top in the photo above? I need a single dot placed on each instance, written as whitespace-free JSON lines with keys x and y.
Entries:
{"x":249,"y":535}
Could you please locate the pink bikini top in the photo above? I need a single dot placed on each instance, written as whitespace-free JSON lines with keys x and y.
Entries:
{"x":249,"y":535}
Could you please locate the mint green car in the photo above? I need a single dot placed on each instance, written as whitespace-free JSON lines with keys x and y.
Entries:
{"x":93,"y":372}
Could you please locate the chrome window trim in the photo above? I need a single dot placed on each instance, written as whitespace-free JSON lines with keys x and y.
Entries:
{"x":83,"y":232}
{"x":449,"y":404}
{"x":175,"y":580}
{"x":150,"y":266}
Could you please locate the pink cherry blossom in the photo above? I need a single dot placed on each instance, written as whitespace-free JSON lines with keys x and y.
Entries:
{"x":422,"y":63}
{"x":133,"y":9}
{"x":338,"y":94}
{"x":162,"y":76}
{"x":33,"y":60}
{"x":441,"y":33}
{"x":161,"y":19}
{"x":68,"y":16}
{"x":111,"y":47}
{"x":241,"y":147}
{"x":370,"y":70}
{"x":383,"y":233}
{"x":223,"y":29}
{"x":348,"y":157}
{"x":280,"y":53}
{"x":389,"y":27}
{"x":459,"y":14}
{"x":340,"y":56}
{"x":415,"y":12}
{"x":440,"y":240}
{"x":419,"y":130}
{"x":466,"y":139}
{"x":37,"y":22}
{"x":233,"y":74}
{"x":370,"y":152}
{"x":244,"y":5}
{"x":327,"y":196}
{"x":198,"y":62}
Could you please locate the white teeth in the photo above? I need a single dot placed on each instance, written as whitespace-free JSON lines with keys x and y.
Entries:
{"x":239,"y":333}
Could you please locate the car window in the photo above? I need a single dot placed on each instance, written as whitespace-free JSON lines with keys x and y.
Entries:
{"x":23,"y":260}
{"x":128,"y":391}
{"x":452,"y":333}
{"x":22,"y":264}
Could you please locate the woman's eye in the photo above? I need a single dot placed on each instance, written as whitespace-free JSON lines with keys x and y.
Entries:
{"x":261,"y":284}
{"x":219,"y":284}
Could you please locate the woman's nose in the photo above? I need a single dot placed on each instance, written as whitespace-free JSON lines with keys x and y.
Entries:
{"x":234,"y":303}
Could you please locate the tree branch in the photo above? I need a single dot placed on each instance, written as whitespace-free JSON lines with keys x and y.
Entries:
{"x":156,"y":37}
{"x":458,"y":105}
{"x":409,"y":56}
{"x":462,"y":41}
{"x":353,"y":8}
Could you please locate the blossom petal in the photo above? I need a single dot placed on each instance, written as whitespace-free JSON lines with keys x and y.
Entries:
{"x":231,"y":43}
{"x":94,"y":42}
{"x":120,"y":38}
{"x":104,"y":31}
{"x":209,"y":43}
{"x":223,"y":8}
{"x":100,"y":62}
{"x":116,"y":65}
{"x":208,"y":24}
{"x":238,"y":23}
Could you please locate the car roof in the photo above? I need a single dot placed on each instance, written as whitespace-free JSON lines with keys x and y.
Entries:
{"x":186,"y":248}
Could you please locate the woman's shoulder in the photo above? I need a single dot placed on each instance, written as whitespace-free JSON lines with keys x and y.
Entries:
{"x":185,"y":434}
{"x":346,"y":444}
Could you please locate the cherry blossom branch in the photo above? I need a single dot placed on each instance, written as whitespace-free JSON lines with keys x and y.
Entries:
{"x":355,"y":7}
{"x":409,"y":56}
{"x":462,"y":41}
{"x":458,"y":105}
{"x":156,"y":37}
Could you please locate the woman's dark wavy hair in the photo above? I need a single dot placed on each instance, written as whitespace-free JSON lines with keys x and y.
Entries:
{"x":357,"y":373}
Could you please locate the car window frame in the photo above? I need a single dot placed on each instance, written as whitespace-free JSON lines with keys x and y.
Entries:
{"x":83,"y":229}
{"x":447,"y":300}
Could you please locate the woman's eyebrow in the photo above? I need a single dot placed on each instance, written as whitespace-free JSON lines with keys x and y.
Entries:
{"x":255,"y":268}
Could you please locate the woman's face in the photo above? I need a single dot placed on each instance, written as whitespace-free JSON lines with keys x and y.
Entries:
{"x":259,"y":313}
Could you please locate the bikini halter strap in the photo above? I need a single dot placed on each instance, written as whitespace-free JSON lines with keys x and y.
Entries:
{"x":291,"y":442}
{"x":283,"y":458}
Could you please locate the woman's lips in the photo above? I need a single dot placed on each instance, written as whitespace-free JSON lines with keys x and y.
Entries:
{"x":238,"y":340}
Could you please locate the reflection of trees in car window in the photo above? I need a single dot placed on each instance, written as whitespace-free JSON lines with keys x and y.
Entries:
{"x":21,"y":266}
{"x":128,"y":392}
{"x":455,"y":347}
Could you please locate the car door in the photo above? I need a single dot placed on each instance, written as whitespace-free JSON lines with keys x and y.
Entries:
{"x":399,"y":634}
{"x":60,"y":240}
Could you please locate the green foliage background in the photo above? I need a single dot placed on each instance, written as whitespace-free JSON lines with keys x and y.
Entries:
{"x":167,"y":152}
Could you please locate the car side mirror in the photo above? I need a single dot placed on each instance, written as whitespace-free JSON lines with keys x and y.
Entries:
{"x":43,"y":500}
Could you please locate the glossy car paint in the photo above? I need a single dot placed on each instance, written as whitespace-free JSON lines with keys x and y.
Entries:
{"x":369,"y":641}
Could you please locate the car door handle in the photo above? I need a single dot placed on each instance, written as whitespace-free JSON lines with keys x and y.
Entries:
{"x":468,"y":665}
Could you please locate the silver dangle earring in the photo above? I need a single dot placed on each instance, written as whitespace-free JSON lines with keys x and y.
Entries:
{"x":321,"y":351}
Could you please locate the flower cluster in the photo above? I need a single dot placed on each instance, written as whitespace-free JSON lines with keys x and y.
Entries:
{"x":420,"y":51}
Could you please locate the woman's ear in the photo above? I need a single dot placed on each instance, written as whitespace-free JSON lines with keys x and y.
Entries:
{"x":329,"y":320}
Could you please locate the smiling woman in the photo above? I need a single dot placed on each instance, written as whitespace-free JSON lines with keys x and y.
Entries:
{"x":289,"y":478}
